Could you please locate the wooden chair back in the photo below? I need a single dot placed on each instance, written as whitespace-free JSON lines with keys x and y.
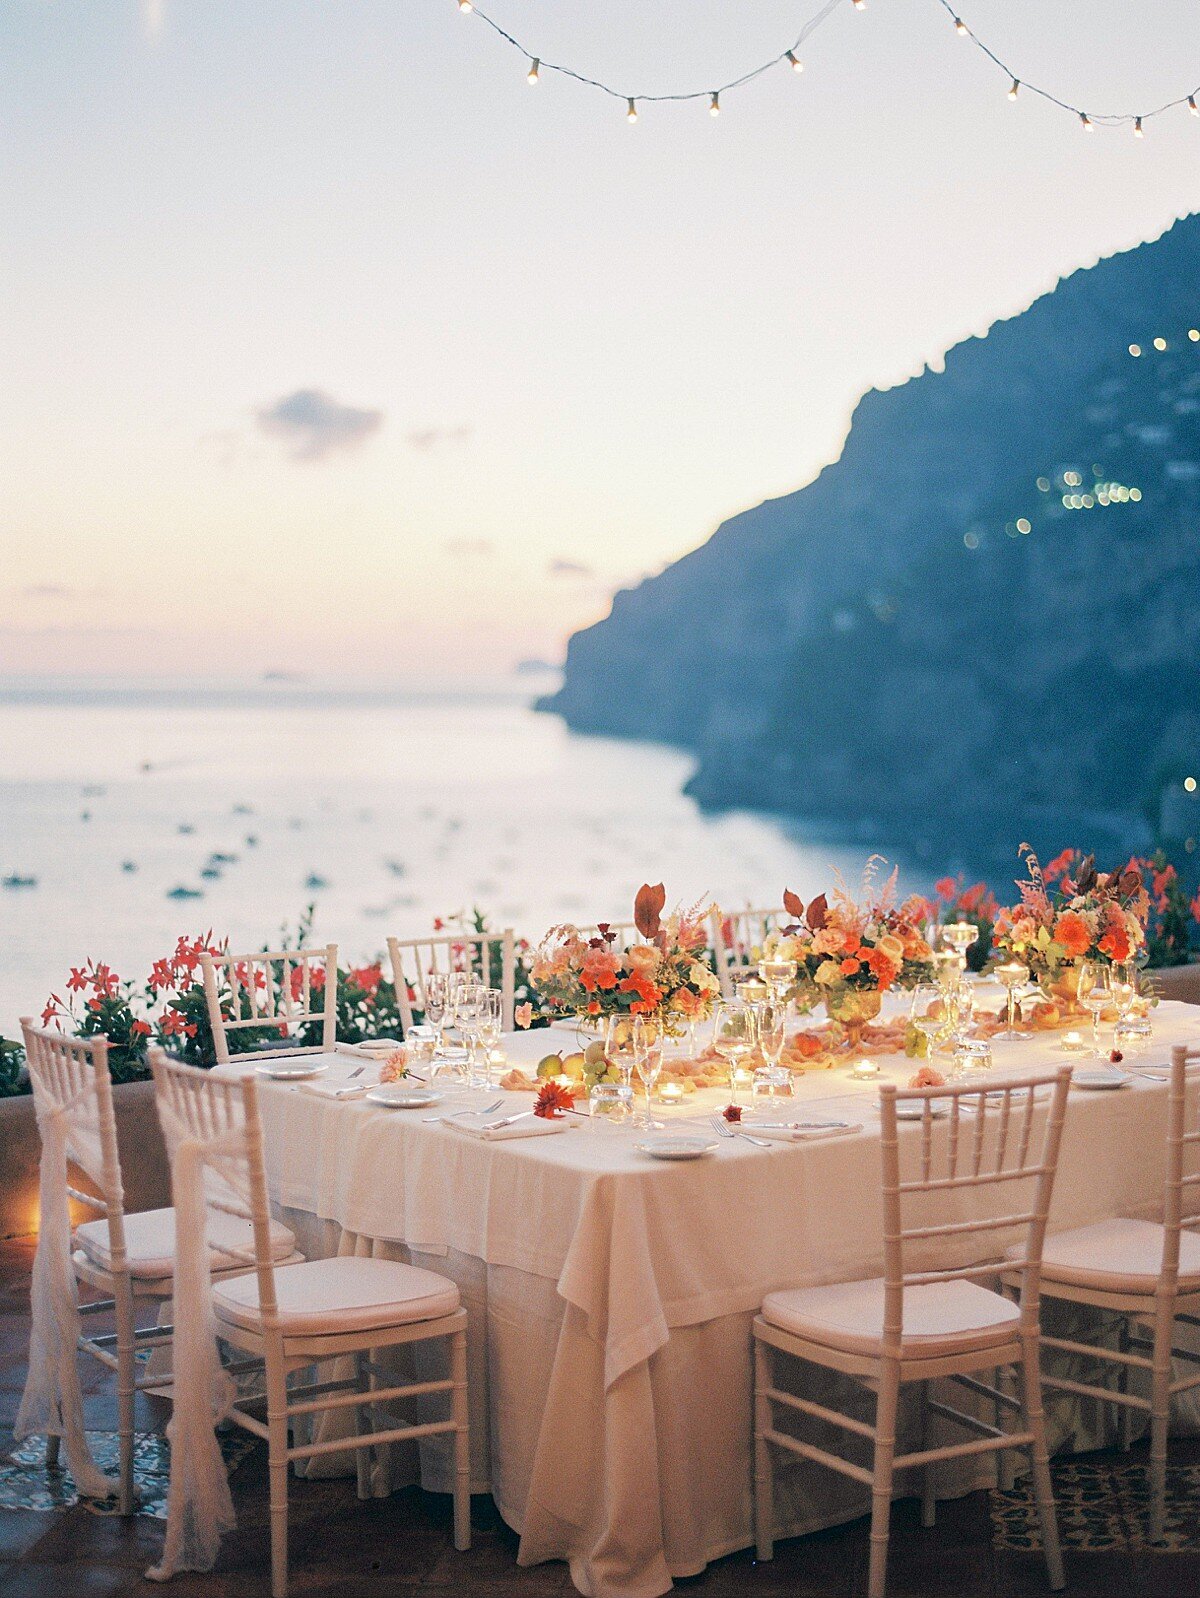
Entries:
{"x":1181,"y":1199}
{"x":274,"y":991}
{"x":735,"y":935}
{"x":987,"y":1166}
{"x":71,"y":1076}
{"x":491,"y":956}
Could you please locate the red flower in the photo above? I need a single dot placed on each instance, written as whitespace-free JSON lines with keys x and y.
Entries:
{"x":140,"y":1029}
{"x":77,"y":981}
{"x":173,"y":1023}
{"x":552,"y":1100}
{"x":105,"y":981}
{"x":945,"y":888}
{"x":51,"y":1010}
{"x":162,"y":975}
{"x":732,"y":1112}
{"x":849,"y":966}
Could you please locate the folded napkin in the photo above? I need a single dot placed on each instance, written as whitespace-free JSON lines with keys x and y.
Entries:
{"x":323,"y":1088}
{"x":798,"y":1134}
{"x":488,"y":1127}
{"x":362,"y":1051}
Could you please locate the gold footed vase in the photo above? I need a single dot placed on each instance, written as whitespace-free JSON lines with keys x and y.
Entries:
{"x":853,"y":1010}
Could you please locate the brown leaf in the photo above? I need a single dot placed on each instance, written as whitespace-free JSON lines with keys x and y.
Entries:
{"x":817,"y":913}
{"x":1087,"y":878}
{"x":793,"y":904}
{"x":1131,"y":881}
{"x":648,"y":906}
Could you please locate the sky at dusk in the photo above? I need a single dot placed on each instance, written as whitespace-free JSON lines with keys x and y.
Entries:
{"x":331,"y":346}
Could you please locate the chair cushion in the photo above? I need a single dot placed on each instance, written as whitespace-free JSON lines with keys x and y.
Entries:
{"x":150,"y":1241}
{"x":322,"y":1297}
{"x":940,"y":1318}
{"x":1117,"y":1256}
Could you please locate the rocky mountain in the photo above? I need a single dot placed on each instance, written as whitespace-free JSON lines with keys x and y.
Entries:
{"x":982,"y":621}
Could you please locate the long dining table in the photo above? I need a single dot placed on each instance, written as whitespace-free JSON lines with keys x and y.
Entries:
{"x":611,"y":1295}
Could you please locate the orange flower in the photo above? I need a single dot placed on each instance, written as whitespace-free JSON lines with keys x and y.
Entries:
{"x":552,"y":1100}
{"x":1115,"y":943}
{"x":850,"y":965}
{"x":885,"y":970}
{"x":1071,"y":930}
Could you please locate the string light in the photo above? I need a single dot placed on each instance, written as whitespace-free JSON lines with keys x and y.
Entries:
{"x":789,"y":57}
{"x":631,"y":114}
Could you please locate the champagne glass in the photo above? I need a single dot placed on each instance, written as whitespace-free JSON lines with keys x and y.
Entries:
{"x":772,"y":1080}
{"x":1123,"y":985}
{"x":928,"y":1011}
{"x":468,"y":1012}
{"x":435,"y":1004}
{"x":779,"y":975}
{"x":620,"y":1052}
{"x":491,"y":1022}
{"x":1095,"y":994}
{"x":733,"y":1038}
{"x":962,"y":1010}
{"x":960,"y":935}
{"x":1011,"y":975}
{"x":648,"y":1057}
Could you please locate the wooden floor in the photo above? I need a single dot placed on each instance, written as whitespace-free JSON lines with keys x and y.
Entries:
{"x":341,"y":1548}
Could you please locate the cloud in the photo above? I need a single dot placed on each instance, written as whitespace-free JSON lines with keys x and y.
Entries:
{"x":314,"y":425}
{"x":468,"y":546}
{"x":568,"y":568}
{"x":430,"y":437}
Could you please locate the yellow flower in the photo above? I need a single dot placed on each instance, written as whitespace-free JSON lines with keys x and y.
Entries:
{"x":827,"y":973}
{"x":891,"y":945}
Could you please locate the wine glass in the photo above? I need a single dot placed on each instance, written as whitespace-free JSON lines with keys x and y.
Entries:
{"x":733,"y":1038}
{"x":620,"y":1051}
{"x":491,"y":1023}
{"x":928,"y":1011}
{"x":435,"y":1003}
{"x":1011,"y":975}
{"x":648,"y":1058}
{"x":1095,"y":994}
{"x":468,"y":1014}
{"x":962,"y":1010}
{"x":960,"y":935}
{"x":773,"y":1080}
{"x":779,"y":975}
{"x":1123,"y":985}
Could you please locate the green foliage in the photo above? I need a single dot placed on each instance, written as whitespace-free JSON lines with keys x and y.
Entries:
{"x":12,"y":1058}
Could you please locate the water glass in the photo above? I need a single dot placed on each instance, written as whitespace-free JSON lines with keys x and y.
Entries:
{"x":1095,"y":994}
{"x":620,"y":1052}
{"x":611,"y":1103}
{"x":734,"y":1036}
{"x":971,"y":1056}
{"x":648,"y":1058}
{"x":928,"y":1011}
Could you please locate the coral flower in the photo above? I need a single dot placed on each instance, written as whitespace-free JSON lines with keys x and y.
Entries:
{"x":1115,"y":943}
{"x":552,"y":1100}
{"x":1072,"y":931}
{"x":523,"y":1015}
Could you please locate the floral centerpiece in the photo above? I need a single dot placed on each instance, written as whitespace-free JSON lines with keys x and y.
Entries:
{"x":954,"y":901}
{"x":592,"y":977}
{"x":1071,"y":912}
{"x":851,"y":951}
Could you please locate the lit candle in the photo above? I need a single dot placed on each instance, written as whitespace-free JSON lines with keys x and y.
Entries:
{"x":497,"y":1058}
{"x":751,"y":991}
{"x":670,"y":1093}
{"x":1073,"y":1042}
{"x":865,"y":1070}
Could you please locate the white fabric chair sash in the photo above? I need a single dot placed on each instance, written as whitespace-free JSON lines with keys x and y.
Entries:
{"x":52,"y":1403}
{"x":199,"y":1505}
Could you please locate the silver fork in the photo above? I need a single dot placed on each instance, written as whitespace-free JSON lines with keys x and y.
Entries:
{"x":486,"y":1110}
{"x":721,"y":1126}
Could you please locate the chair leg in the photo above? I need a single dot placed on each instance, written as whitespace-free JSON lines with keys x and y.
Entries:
{"x":881,"y":1490}
{"x":1034,"y":1421}
{"x":1160,"y":1417}
{"x":364,"y":1457}
{"x":126,"y":1388}
{"x":764,"y":1484}
{"x":1006,"y":1469}
{"x":277,"y":1458}
{"x":462,"y":1441}
{"x":1124,"y":1413}
{"x":928,"y":1501}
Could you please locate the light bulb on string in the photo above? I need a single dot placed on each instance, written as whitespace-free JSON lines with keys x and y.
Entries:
{"x":1086,"y":122}
{"x":961,"y":28}
{"x":714,"y":105}
{"x":1138,"y":131}
{"x":860,"y":5}
{"x":531,"y":76}
{"x":793,"y":60}
{"x":1192,"y":106}
{"x":1015,"y":90}
{"x":466,"y":5}
{"x":632,"y":114}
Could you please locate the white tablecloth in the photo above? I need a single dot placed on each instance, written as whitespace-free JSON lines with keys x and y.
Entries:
{"x":611,"y":1295}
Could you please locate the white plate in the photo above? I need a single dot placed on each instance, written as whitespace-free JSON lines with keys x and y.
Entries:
{"x":1100,"y":1078}
{"x":396,"y":1096}
{"x":912,"y":1111}
{"x":378,"y":1045}
{"x":290,"y":1070}
{"x":679,"y":1147}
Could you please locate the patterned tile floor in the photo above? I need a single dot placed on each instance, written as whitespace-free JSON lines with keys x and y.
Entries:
{"x":984,"y":1546}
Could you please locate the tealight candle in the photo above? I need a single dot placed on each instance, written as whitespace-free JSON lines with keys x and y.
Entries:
{"x":752,"y":991}
{"x":670,"y":1093}
{"x":1073,"y":1042}
{"x":865,"y":1070}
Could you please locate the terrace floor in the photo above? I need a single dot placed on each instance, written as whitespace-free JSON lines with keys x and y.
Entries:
{"x":341,"y":1548}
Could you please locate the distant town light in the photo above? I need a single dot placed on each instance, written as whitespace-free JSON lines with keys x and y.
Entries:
{"x":1194,"y":334}
{"x":1024,"y":525}
{"x":1135,"y":494}
{"x":1135,"y":350}
{"x":1160,"y":343}
{"x":1043,"y":484}
{"x":1190,"y":784}
{"x":971,"y":540}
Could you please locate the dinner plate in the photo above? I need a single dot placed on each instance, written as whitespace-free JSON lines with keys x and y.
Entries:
{"x":1100,"y":1079}
{"x":290,"y":1070}
{"x":679,"y":1147}
{"x":397,"y":1096}
{"x":911,"y":1110}
{"x":378,"y":1045}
